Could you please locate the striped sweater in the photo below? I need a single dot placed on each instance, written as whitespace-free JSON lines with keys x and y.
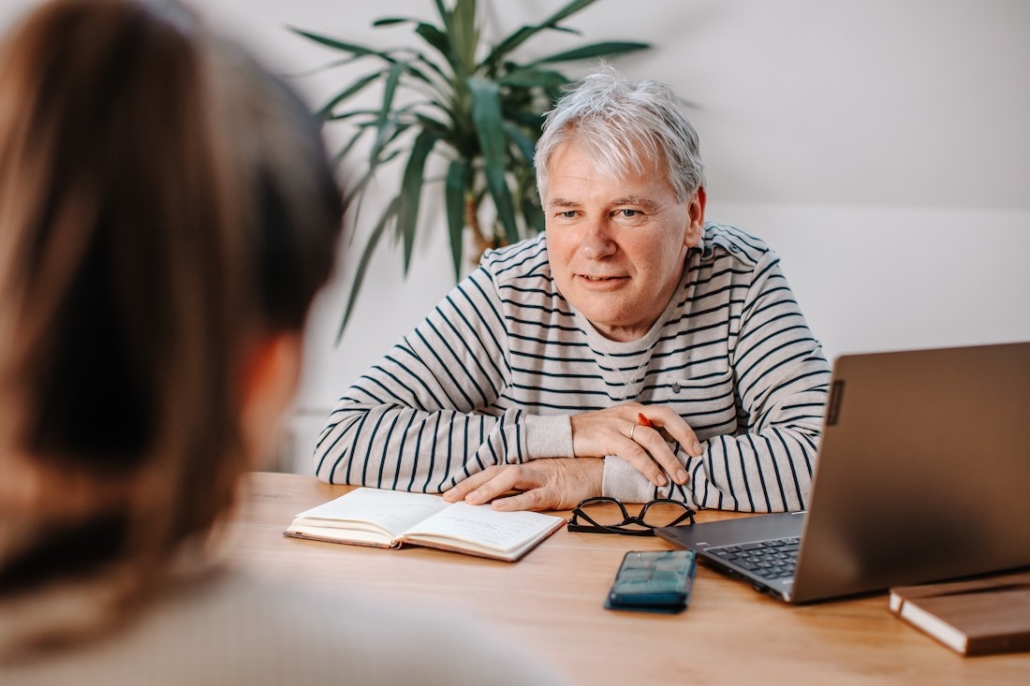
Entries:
{"x":493,"y":374}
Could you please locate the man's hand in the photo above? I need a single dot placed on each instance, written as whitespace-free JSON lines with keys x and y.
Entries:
{"x":546,"y":484}
{"x":619,"y":431}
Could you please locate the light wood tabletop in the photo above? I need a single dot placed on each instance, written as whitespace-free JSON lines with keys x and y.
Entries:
{"x":551,"y":603}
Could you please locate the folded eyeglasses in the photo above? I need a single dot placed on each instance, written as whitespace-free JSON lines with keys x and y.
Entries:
{"x":604,"y":515}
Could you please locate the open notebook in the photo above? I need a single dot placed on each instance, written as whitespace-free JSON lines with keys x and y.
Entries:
{"x":389,"y":519}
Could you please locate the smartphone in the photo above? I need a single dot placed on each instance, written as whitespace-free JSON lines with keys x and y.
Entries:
{"x":653,"y":581}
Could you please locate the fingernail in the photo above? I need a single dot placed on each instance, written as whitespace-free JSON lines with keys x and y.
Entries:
{"x":697,"y":448}
{"x":681,"y":476}
{"x":662,"y":480}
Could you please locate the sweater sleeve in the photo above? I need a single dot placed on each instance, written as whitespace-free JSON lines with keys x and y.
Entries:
{"x":427,"y":414}
{"x":781,"y":379}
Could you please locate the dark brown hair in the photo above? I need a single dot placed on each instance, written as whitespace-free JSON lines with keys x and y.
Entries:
{"x":164,"y":201}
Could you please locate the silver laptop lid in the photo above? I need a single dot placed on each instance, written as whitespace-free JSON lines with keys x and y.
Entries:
{"x":923,"y":471}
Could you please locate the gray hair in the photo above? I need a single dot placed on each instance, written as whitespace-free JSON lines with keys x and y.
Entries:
{"x":624,"y":126}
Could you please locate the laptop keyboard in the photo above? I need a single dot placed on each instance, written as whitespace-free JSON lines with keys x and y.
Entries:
{"x":773,"y":559}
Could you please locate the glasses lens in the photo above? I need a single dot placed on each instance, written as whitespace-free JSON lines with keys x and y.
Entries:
{"x":603,"y":512}
{"x":663,"y":513}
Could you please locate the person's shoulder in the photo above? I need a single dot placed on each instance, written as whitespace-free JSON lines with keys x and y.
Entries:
{"x":231,"y":628}
{"x":522,"y":261}
{"x":330,"y":634}
{"x":728,"y":242}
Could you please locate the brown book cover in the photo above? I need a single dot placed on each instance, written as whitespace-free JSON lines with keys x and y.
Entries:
{"x":973,"y":617}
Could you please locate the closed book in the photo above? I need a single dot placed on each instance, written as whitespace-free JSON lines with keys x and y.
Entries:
{"x":972,"y":617}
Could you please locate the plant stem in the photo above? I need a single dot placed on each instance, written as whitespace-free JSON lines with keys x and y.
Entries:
{"x":481,"y":242}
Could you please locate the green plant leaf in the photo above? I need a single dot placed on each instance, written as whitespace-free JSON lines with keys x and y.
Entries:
{"x":524,"y":118}
{"x":444,"y":77}
{"x":566,"y":12}
{"x":565,"y":29}
{"x":436,"y":39}
{"x":594,"y":50}
{"x":411,"y":192}
{"x":342,"y":153}
{"x":532,"y":212}
{"x":486,"y":112}
{"x":529,"y":77}
{"x":445,"y":17}
{"x":479,"y":195}
{"x":356,"y":191}
{"x":510,"y":43}
{"x":340,"y":116}
{"x":427,"y":122}
{"x":324,"y":67}
{"x":395,"y":129}
{"x":352,"y":48}
{"x":389,"y":91}
{"x":526,"y":32}
{"x":366,"y":256}
{"x":521,"y":141}
{"x":454,"y":195}
{"x":389,"y":21}
{"x":410,"y":68}
{"x":464,"y":35}
{"x":353,"y":89}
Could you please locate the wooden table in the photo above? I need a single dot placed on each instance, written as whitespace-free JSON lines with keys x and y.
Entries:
{"x":551,"y":601}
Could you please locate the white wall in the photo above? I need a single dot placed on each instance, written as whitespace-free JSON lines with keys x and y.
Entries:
{"x":880,"y":146}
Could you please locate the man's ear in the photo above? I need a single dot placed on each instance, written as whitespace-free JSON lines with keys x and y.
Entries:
{"x":269,"y":379}
{"x":696,"y":214}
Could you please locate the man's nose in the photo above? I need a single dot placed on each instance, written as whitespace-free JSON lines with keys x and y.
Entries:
{"x":597,"y":241}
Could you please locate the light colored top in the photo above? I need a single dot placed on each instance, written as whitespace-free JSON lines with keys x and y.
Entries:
{"x":493,"y":374}
{"x":235,"y":629}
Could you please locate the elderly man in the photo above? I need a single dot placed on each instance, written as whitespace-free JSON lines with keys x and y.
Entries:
{"x":631,"y":351}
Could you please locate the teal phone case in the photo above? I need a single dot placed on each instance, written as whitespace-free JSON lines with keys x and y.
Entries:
{"x":653,"y":581}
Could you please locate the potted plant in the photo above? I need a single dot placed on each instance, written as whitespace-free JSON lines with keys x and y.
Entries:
{"x":474,"y":104}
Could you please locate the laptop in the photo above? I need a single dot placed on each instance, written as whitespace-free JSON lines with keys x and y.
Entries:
{"x":923,"y":474}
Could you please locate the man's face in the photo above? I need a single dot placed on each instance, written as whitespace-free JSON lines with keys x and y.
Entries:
{"x":616,"y":245}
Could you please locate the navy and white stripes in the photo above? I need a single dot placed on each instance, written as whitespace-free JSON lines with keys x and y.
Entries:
{"x":503,"y":360}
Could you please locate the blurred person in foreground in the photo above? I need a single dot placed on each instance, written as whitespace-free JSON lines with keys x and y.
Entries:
{"x":167,"y":214}
{"x":633,"y":350}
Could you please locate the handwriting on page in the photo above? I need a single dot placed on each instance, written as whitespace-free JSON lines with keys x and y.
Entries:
{"x":483,"y":524}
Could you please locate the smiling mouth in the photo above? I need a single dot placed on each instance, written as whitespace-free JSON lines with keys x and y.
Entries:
{"x":601,"y":278}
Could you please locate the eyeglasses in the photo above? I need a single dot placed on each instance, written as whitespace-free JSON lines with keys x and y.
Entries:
{"x":604,"y":515}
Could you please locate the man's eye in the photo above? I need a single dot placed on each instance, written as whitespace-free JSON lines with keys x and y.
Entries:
{"x":567,"y":214}
{"x":628,"y":213}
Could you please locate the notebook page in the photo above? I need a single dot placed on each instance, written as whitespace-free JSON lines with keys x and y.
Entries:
{"x":504,"y":531}
{"x":393,"y":511}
